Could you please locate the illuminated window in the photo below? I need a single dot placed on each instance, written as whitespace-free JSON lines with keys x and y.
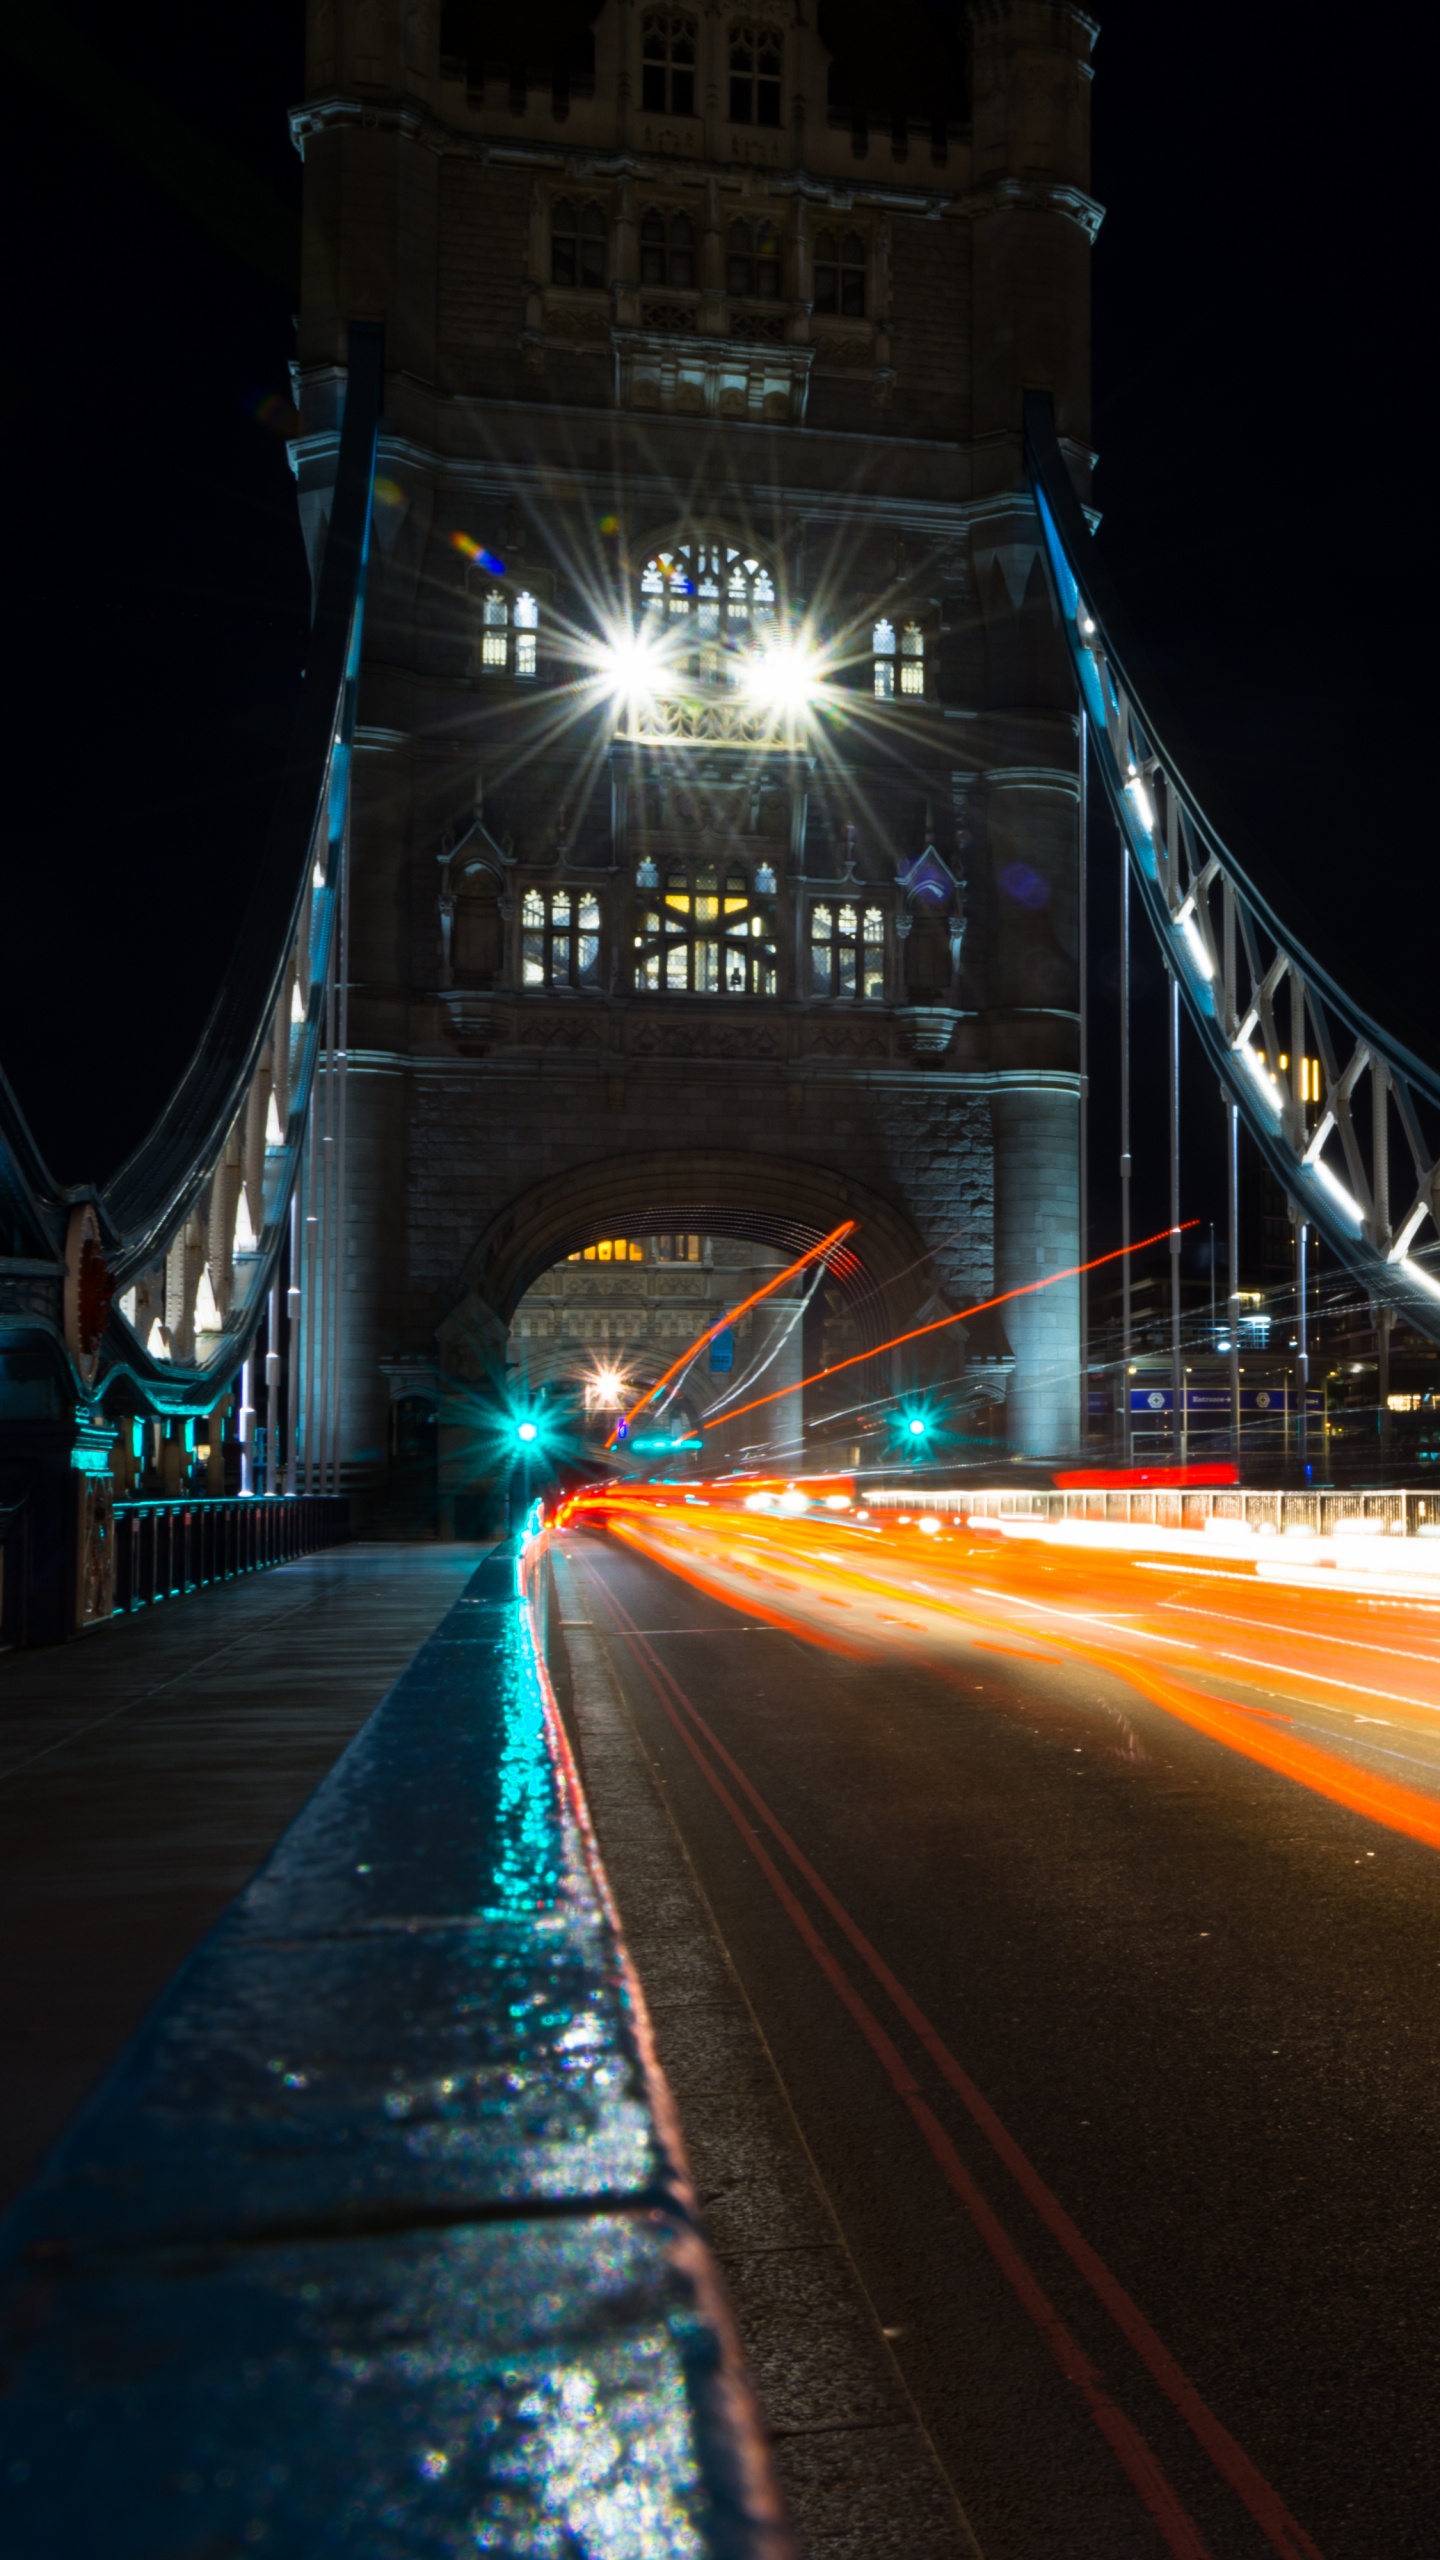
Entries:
{"x":667,"y":64}
{"x":706,"y":934}
{"x":509,"y":634}
{"x":912,"y":659}
{"x":755,"y":60}
{"x":710,"y":589}
{"x":679,"y":1249}
{"x":577,"y":243}
{"x":882,"y":648}
{"x":667,"y":248}
{"x":847,"y":952}
{"x":610,"y":1249}
{"x":559,"y":938}
{"x":753,"y":260}
{"x":840,"y":265}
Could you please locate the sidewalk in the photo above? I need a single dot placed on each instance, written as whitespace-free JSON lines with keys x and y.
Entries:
{"x":146,"y":1771}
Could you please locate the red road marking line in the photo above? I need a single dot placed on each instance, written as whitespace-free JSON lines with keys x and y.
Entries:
{"x":1285,"y":2535}
{"x":1144,"y":2472}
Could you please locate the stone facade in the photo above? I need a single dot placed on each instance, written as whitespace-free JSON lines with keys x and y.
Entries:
{"x":714,"y":847}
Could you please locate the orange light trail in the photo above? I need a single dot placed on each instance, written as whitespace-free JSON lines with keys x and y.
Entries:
{"x":1026,"y":1289}
{"x":732,"y":1315}
{"x":951,"y":1596}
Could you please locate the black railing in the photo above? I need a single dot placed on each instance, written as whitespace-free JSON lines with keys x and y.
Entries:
{"x":164,"y":1549}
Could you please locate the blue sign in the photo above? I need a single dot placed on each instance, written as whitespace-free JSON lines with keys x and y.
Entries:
{"x":722,"y":1351}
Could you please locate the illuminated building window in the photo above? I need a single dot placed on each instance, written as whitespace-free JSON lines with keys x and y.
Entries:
{"x":667,"y":248}
{"x":912,"y":659}
{"x":509,"y":634}
{"x":679,"y":1249}
{"x":611,"y":1249}
{"x":706,"y":934}
{"x":753,"y":260}
{"x":667,"y":64}
{"x":577,"y":243}
{"x":710,"y":589}
{"x":882,"y":650}
{"x":840,"y":266}
{"x":755,"y":59}
{"x":559,"y":938}
{"x":847,"y":952}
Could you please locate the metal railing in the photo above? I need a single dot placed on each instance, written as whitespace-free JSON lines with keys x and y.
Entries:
{"x":165,"y":1548}
{"x":1384,"y":1514}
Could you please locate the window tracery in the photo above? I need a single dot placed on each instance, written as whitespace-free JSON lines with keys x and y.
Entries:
{"x":912,"y":659}
{"x":706,"y":933}
{"x":847,"y":951}
{"x":882,"y":654}
{"x":667,"y":249}
{"x":841,"y":263}
{"x":559,"y":938}
{"x":577,"y":243}
{"x":509,"y":634}
{"x":755,"y":66}
{"x":667,"y":64}
{"x":710,"y":594}
{"x":752,"y":262}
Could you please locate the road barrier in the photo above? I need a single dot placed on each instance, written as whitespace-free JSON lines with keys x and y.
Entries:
{"x":380,"y":2232}
{"x":1315,"y":1515}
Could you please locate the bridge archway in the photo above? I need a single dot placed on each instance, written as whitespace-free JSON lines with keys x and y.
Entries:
{"x":885,"y":1268}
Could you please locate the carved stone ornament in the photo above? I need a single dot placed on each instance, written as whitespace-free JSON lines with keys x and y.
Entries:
{"x":929,"y":1028}
{"x":89,"y":1288}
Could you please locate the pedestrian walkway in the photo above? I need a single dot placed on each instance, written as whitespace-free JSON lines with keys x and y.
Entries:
{"x":147,"y":1770}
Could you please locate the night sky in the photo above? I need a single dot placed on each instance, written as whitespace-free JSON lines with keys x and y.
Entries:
{"x":1262,"y":290}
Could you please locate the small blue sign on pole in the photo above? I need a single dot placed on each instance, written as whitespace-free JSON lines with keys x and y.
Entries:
{"x":722,"y":1351}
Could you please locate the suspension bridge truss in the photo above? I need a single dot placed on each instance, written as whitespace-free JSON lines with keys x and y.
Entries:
{"x":167,"y":1270}
{"x":1345,"y":1116}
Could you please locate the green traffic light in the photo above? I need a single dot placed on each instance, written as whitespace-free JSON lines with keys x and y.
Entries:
{"x":918,"y":1425}
{"x":527,"y":1431}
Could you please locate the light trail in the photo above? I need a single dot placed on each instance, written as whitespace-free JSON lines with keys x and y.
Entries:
{"x":982,"y":1307}
{"x":1097,"y":1612}
{"x":1280,"y":2529}
{"x":732,"y":1315}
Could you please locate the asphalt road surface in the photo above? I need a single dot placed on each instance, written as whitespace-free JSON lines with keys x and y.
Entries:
{"x":1114,"y":2045}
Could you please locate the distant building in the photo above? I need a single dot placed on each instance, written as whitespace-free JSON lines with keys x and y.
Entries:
{"x":714,"y":858}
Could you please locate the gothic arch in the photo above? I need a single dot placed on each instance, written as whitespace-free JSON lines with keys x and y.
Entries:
{"x":885,"y":1271}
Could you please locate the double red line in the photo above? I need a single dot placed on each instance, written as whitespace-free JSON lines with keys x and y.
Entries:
{"x":1180,"y":2533}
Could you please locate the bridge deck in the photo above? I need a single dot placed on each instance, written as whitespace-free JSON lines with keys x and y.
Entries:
{"x":145,"y":1773}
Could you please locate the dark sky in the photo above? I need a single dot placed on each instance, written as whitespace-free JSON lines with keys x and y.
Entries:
{"x":1262,"y":297}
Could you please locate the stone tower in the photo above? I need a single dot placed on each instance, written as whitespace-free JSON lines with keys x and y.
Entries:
{"x":714,"y":858}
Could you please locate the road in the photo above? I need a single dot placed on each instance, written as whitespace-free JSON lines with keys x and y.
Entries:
{"x":1101,"y":1972}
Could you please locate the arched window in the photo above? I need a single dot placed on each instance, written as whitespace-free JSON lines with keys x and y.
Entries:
{"x":753,"y":260}
{"x":847,"y":951}
{"x":840,"y":265}
{"x":611,"y":1249}
{"x":706,"y":933}
{"x":559,"y":938}
{"x":755,"y":60}
{"x":882,"y":651}
{"x":715,"y":592}
{"x":577,"y":243}
{"x":667,"y":64}
{"x":667,"y":248}
{"x":509,"y":634}
{"x":912,"y":659}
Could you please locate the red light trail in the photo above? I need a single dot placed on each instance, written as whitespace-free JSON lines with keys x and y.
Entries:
{"x":1026,"y":1289}
{"x":732,"y":1315}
